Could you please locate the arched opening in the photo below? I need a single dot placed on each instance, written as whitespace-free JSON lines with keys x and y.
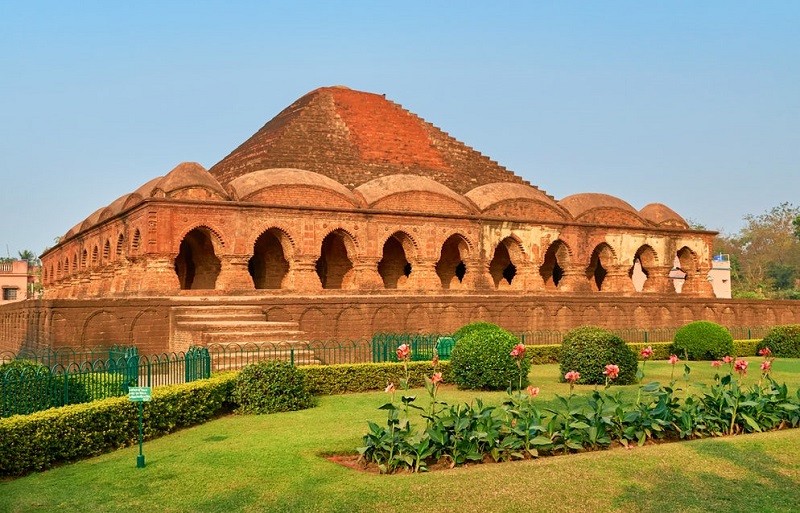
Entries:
{"x":75,"y":263}
{"x":599,"y":263}
{"x":501,"y":267}
{"x":107,"y":251}
{"x":643,"y":262}
{"x":196,"y":265}
{"x":268,"y":266}
{"x":334,"y":267}
{"x":451,"y":267}
{"x":394,"y":267}
{"x":136,"y":241}
{"x":120,"y":246}
{"x":555,"y":261}
{"x":688,"y":265}
{"x":84,"y":259}
{"x":95,"y":255}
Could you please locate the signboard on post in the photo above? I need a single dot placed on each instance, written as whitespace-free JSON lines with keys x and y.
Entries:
{"x":140,"y":395}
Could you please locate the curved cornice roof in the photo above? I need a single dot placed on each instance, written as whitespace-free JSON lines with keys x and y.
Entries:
{"x":662,"y":215}
{"x":249,"y":184}
{"x":381,"y":188}
{"x":579,"y":204}
{"x":187,"y":175}
{"x":486,"y":196}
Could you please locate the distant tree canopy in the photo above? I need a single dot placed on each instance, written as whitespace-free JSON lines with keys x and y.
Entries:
{"x":765,"y":254}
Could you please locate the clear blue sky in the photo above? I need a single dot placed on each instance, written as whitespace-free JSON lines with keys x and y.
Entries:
{"x":647,"y":101}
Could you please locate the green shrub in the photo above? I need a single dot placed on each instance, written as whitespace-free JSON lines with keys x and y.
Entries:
{"x":703,"y":340}
{"x":543,"y":354}
{"x":746,"y":347}
{"x":481,"y":358}
{"x":40,"y":440}
{"x":589,"y":349}
{"x":271,"y":386}
{"x":364,"y":377}
{"x":661,"y":350}
{"x":783,"y":341}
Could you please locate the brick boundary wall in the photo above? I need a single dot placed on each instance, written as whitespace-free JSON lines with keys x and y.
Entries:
{"x":150,"y":324}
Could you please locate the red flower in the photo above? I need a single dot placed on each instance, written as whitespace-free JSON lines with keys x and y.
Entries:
{"x":727,"y":359}
{"x":766,"y":352}
{"x":389,"y":388}
{"x":716,"y":363}
{"x":403,"y":352}
{"x":647,"y":352}
{"x":572,"y":376}
{"x":518,"y":352}
{"x":436,"y":378}
{"x":766,"y":366}
{"x":532,"y":391}
{"x":612,"y":371}
{"x":673,"y":359}
{"x":741,"y":367}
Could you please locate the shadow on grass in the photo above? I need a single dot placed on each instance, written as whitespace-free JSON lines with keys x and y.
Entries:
{"x":743,"y":479}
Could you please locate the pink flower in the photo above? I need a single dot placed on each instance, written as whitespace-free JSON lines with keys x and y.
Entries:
{"x":766,"y":352}
{"x":532,"y":391}
{"x":572,"y":376}
{"x":612,"y":371}
{"x":673,"y":359}
{"x":766,"y":366}
{"x":647,"y":352}
{"x":436,"y":378}
{"x":716,"y":363}
{"x":727,"y":359}
{"x":403,"y":352}
{"x":518,"y":352}
{"x":741,"y":367}
{"x":389,"y":388}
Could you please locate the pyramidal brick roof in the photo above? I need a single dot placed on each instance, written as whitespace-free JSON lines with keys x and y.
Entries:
{"x":353,"y":137}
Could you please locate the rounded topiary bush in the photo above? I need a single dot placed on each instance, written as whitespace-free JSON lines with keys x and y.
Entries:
{"x":783,"y":341}
{"x":481,"y":358}
{"x":270,"y":387}
{"x":589,"y":349}
{"x":703,"y":340}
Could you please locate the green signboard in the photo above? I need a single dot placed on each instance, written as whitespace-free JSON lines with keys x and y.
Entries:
{"x":140,"y":394}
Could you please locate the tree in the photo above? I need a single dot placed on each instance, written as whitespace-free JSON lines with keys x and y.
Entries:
{"x":766,"y":252}
{"x":796,"y":224}
{"x":30,"y":256}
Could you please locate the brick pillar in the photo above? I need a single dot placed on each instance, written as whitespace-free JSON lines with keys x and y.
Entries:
{"x":304,"y":274}
{"x":423,"y":276}
{"x":156,"y":275}
{"x":529,"y":277}
{"x":574,"y":279}
{"x":367,"y":275}
{"x":617,"y":280}
{"x":658,"y":280}
{"x":233,"y":274}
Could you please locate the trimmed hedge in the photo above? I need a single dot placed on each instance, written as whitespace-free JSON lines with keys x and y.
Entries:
{"x":783,"y":341}
{"x":366,"y":377}
{"x":40,"y":440}
{"x":481,"y":358}
{"x":703,"y":340}
{"x":271,"y":386}
{"x":589,"y":349}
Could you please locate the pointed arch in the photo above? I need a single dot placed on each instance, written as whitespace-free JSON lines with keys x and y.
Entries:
{"x":556,"y":260}
{"x":269,"y":265}
{"x":644,"y":261}
{"x":502,"y":267}
{"x":395,"y":267}
{"x":601,"y":261}
{"x":451,"y":267}
{"x":335,"y":263}
{"x":197,"y":264}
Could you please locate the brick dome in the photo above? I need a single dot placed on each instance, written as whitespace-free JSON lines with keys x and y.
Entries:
{"x":599,"y":208}
{"x":291,"y":187}
{"x":516,"y":200}
{"x":663,"y":216}
{"x":410,"y":193}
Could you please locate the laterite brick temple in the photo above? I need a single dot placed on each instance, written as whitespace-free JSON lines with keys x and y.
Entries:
{"x":345,"y":215}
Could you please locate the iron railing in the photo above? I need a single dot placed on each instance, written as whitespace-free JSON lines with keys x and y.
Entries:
{"x":33,"y":386}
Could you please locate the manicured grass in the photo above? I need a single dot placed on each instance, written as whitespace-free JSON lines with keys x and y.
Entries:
{"x":275,"y":463}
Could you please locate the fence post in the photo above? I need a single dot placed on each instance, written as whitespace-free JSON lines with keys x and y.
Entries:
{"x":291,"y":356}
{"x":645,"y":336}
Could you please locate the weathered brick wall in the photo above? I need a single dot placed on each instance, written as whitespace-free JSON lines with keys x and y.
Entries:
{"x":147,"y":322}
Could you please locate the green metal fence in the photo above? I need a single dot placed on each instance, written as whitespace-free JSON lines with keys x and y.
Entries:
{"x":543,"y":337}
{"x":34,"y":386}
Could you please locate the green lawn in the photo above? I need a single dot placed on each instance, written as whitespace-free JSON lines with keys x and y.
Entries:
{"x":274,"y":463}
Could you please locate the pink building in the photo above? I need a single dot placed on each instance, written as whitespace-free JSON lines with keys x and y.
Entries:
{"x":13,"y":281}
